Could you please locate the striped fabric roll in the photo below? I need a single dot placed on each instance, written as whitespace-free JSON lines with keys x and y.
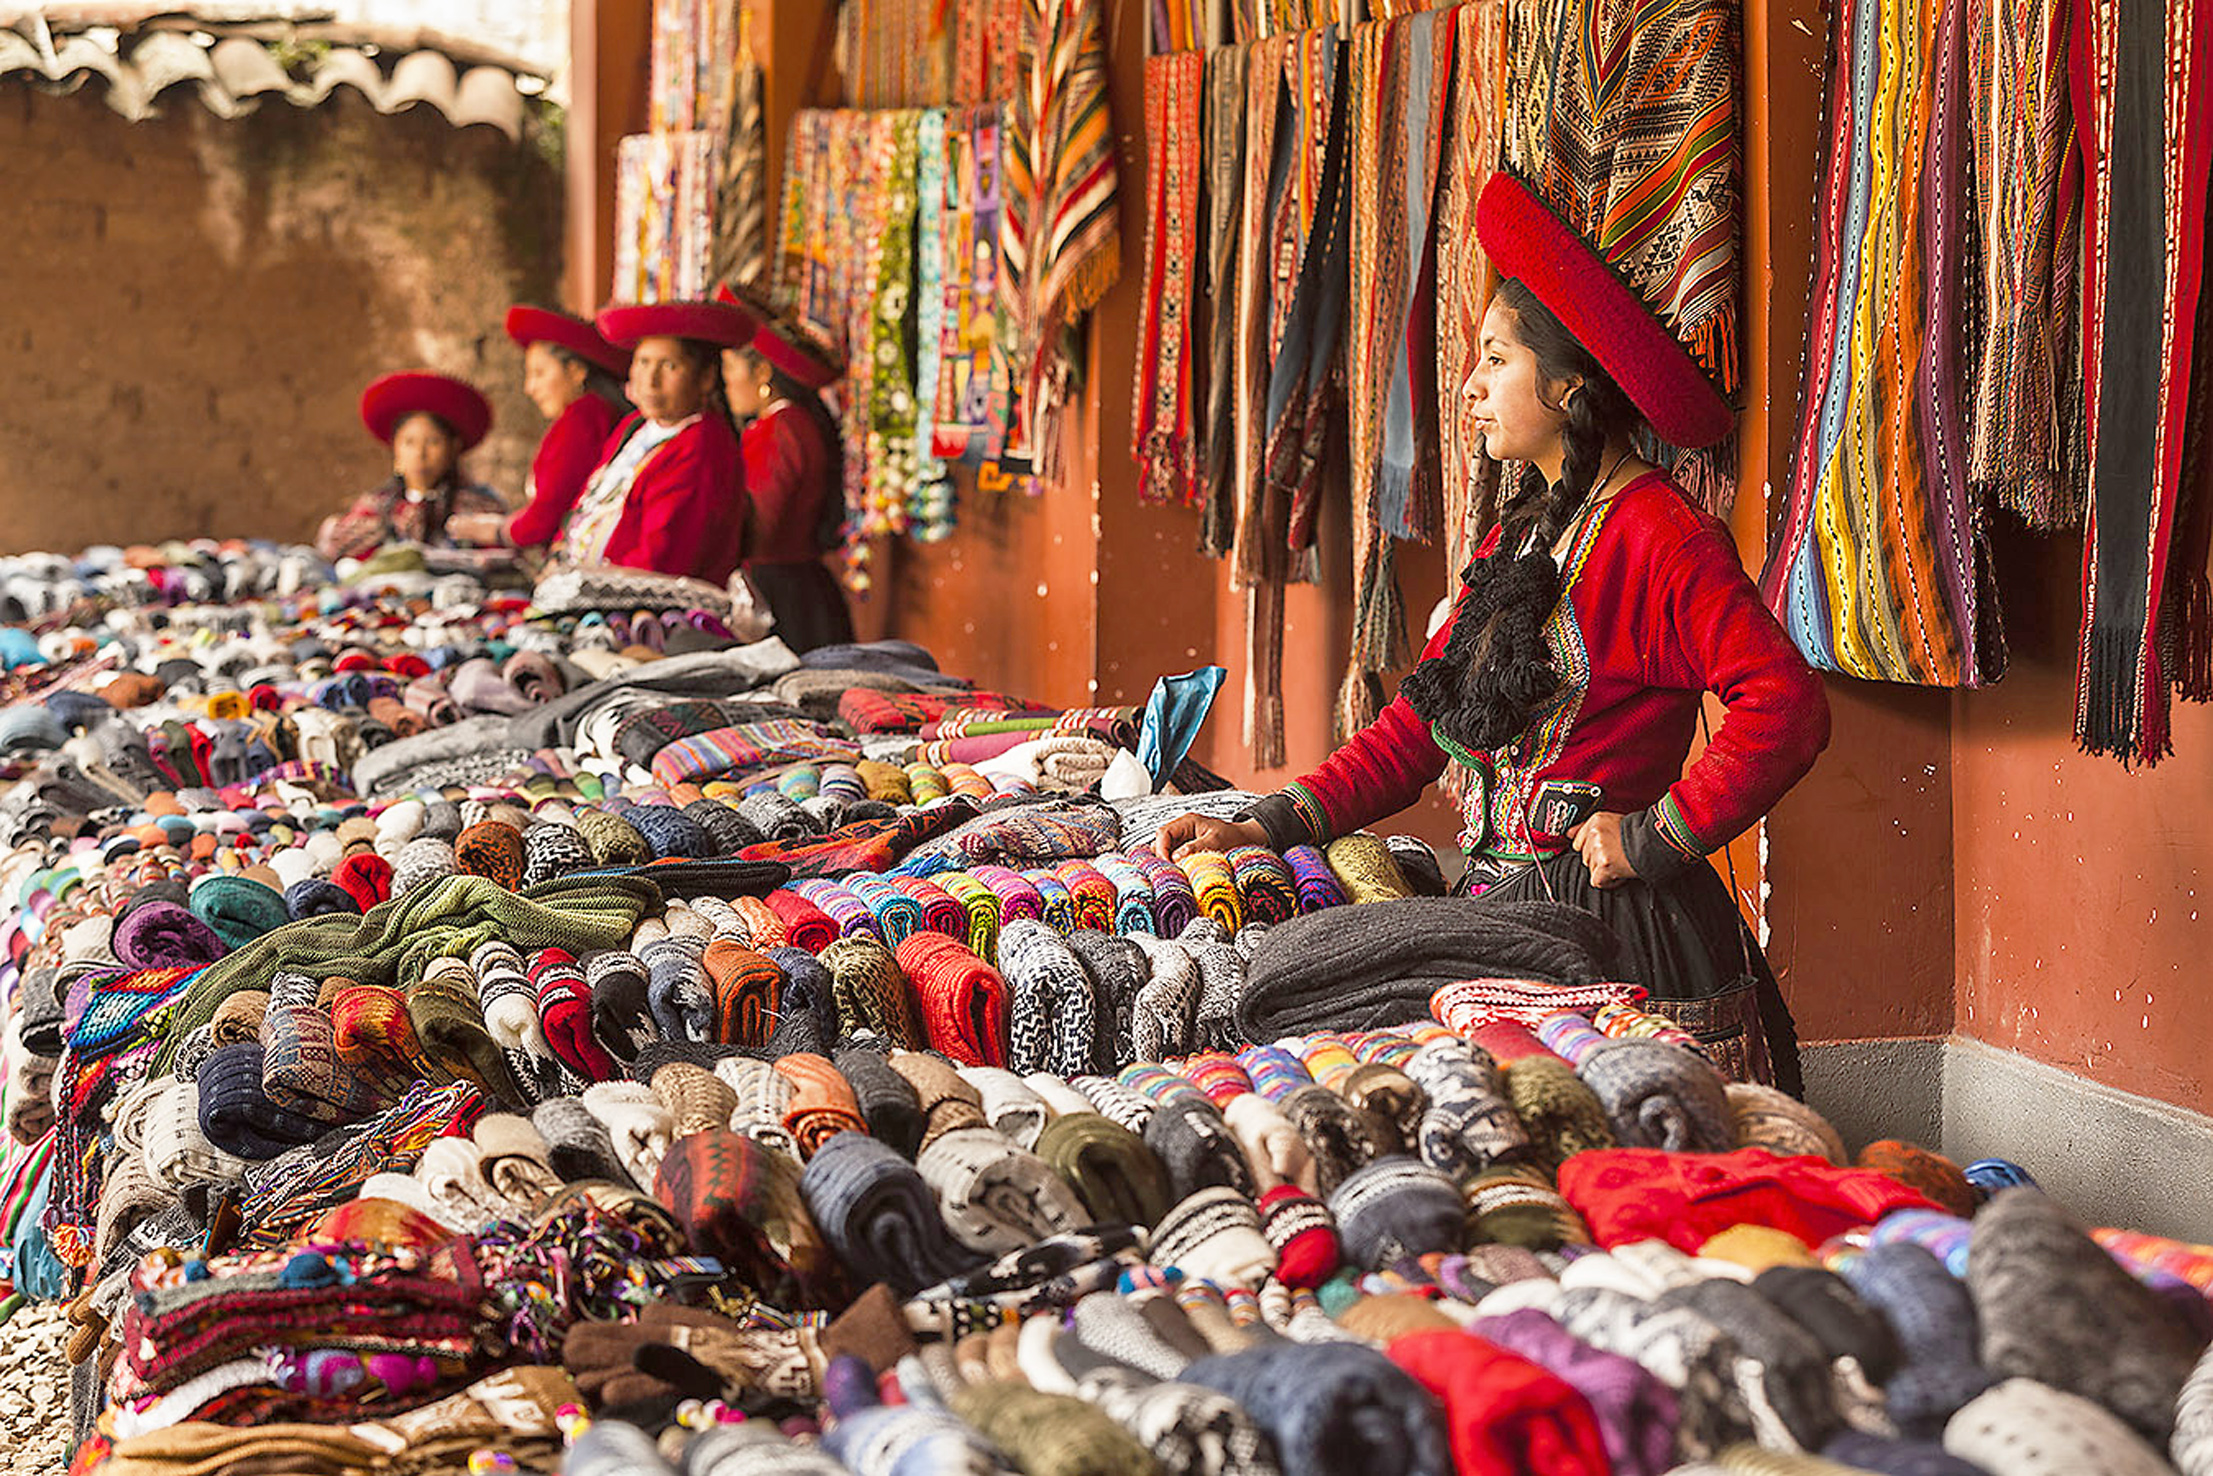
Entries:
{"x":850,"y":913}
{"x":927,"y":783}
{"x":1275,"y":1071}
{"x":1094,"y":896}
{"x":1175,"y":905}
{"x":1059,"y":906}
{"x":1218,"y":1074}
{"x":748,"y":989}
{"x":1329,"y":1058}
{"x":1214,"y":886}
{"x":982,"y":906}
{"x":795,"y":920}
{"x":1620,"y":1020}
{"x":744,"y":746}
{"x":1133,"y":896}
{"x":1265,"y":886}
{"x":1570,"y":1036}
{"x":1018,"y":896}
{"x":763,"y":928}
{"x":940,"y":912}
{"x":801,"y":781}
{"x":1317,"y":885}
{"x":842,"y":782}
{"x":1156,"y":1083}
{"x":966,"y":780}
{"x":898,"y":916}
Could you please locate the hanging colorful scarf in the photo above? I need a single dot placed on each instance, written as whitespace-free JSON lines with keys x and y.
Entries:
{"x":2143,"y":93}
{"x":1879,"y":568}
{"x":2027,"y":413}
{"x":1067,"y":251}
{"x":1160,"y":415}
{"x":932,"y":502}
{"x":1225,"y":197}
{"x":971,"y":415}
{"x":1425,"y":48}
{"x":1469,"y":477}
{"x":892,"y":468}
{"x":1623,"y":113}
{"x":803,"y":244}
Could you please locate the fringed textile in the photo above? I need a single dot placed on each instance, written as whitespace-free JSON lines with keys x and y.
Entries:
{"x":969,"y":423}
{"x":1225,"y":200}
{"x":1161,"y":438}
{"x":1469,"y":477}
{"x":1064,"y":250}
{"x":2143,"y":93}
{"x":2026,"y":443}
{"x":1879,"y":568}
{"x":1623,"y":114}
{"x":931,"y":504}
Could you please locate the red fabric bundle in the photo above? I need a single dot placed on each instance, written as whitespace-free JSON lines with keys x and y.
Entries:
{"x":366,"y":876}
{"x":805,"y":925}
{"x":940,"y":913}
{"x":1506,"y":1415}
{"x":1686,"y":1199}
{"x":748,"y":988}
{"x":964,"y":1000}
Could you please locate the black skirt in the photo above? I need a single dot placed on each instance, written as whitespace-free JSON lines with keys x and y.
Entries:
{"x":1686,"y":943}
{"x":808,"y":604}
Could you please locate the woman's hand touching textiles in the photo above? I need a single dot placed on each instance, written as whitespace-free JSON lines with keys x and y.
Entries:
{"x":1187,"y":835}
{"x":1598,"y":842}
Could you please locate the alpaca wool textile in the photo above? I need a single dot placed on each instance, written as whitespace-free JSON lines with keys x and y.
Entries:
{"x":1623,"y":117}
{"x":1315,"y":1401}
{"x":1506,"y":1414}
{"x":876,"y":1211}
{"x":2141,"y":75}
{"x":1879,"y":567}
{"x":964,"y":1001}
{"x":742,"y":1203}
{"x":1162,"y":441}
{"x":1630,"y":1194}
{"x":970,"y":418}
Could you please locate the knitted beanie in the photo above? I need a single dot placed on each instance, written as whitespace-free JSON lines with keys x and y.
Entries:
{"x":1340,"y":1137}
{"x":1396,"y":1208}
{"x":963,"y":1000}
{"x":1659,"y":1095}
{"x":517,"y":1161}
{"x":996,"y":1197}
{"x":1110,"y":1168}
{"x":740,"y":1202}
{"x":422,"y":861}
{"x":1775,"y":1120}
{"x":1009,"y":1105}
{"x":1467,"y":1124}
{"x":1052,"y":1434}
{"x":1272,"y":1145}
{"x":612,"y":1448}
{"x":491,"y":849}
{"x":1053,"y":1010}
{"x":1515,"y":1204}
{"x":870,"y":996}
{"x":1333,"y":1409}
{"x":366,"y":876}
{"x":822,"y":1104}
{"x":747,"y":988}
{"x":2023,"y":1428}
{"x":1119,"y":971}
{"x":1214,"y":1235}
{"x":1933,"y":1319}
{"x":875,"y":1210}
{"x":551,"y":850}
{"x":888,"y":1102}
{"x":2056,"y":1308}
{"x":1562,"y":1116}
{"x":1197,"y":1149}
{"x":1825,"y":1305}
{"x":622,"y":1017}
{"x":637,"y":1124}
{"x":676,"y":986}
{"x":1916,"y":1167}
{"x":565,"y":1014}
{"x":946,"y":1101}
{"x":1303,"y":1233}
{"x":696,"y":1098}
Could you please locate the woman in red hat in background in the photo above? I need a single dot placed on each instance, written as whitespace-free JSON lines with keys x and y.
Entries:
{"x":574,"y":376}
{"x":1568,"y":682}
{"x":428,"y":420}
{"x":794,"y":474}
{"x":669,"y":495}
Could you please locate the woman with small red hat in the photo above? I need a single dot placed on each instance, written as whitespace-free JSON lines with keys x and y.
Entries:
{"x":794,"y":474}
{"x":574,"y":376}
{"x":428,"y":420}
{"x":669,"y":494}
{"x":1570,"y":678}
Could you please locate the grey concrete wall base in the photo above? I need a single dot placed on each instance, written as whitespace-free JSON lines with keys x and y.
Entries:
{"x":2113,"y":1158}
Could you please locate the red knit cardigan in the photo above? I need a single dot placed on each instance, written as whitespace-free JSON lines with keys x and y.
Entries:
{"x":568,"y":455}
{"x":686,"y":512}
{"x":1656,"y":612}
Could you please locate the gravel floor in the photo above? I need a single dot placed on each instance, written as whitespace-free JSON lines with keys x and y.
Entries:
{"x":34,"y":1392}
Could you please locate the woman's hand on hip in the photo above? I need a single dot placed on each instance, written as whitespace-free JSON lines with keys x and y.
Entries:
{"x":1598,"y":842}
{"x":1187,"y":835}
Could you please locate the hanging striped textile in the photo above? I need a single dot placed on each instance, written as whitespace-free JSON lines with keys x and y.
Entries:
{"x":1879,"y":568}
{"x":2026,"y":445}
{"x":1623,"y":115}
{"x":1469,"y":477}
{"x":1161,"y":439}
{"x":2143,"y":95}
{"x":971,"y":416}
{"x":931,"y":503}
{"x":664,"y":215}
{"x":1225,"y":203}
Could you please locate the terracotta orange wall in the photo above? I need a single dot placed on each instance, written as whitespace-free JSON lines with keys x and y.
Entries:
{"x":2085,"y":920}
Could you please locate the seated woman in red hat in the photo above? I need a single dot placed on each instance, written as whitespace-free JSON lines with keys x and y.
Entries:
{"x":428,"y":420}
{"x":574,"y":377}
{"x":794,"y":476}
{"x":669,"y":495}
{"x":1568,"y":682}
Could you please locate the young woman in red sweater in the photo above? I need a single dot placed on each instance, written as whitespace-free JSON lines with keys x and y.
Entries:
{"x":1568,"y":682}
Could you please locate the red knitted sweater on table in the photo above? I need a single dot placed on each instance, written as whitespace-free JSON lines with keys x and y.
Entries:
{"x":1656,"y":611}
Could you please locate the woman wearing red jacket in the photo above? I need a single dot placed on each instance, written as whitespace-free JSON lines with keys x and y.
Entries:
{"x":669,"y":496}
{"x":1567,"y":685}
{"x":574,"y":377}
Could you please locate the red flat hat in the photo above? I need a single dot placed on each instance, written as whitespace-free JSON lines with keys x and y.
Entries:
{"x":723,"y":324}
{"x":393,"y":398}
{"x":1528,"y":241}
{"x":791,"y":347}
{"x":528,"y":325}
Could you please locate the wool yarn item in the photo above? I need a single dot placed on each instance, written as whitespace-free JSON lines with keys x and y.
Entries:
{"x":1561,"y":1114}
{"x":1341,"y":1138}
{"x":1196,"y":1149}
{"x":1267,"y":892}
{"x":1214,"y":888}
{"x":747,"y":992}
{"x":696,"y":1098}
{"x":1333,"y":1409}
{"x":875,"y":1210}
{"x":1793,"y":1375}
{"x":1662,"y":1096}
{"x":491,"y":849}
{"x":1505,"y":1414}
{"x":996,"y":1198}
{"x":1052,"y":1434}
{"x":888,"y":1103}
{"x":1637,"y":1414}
{"x":1515,"y":1204}
{"x":1012,"y":1109}
{"x":1389,"y":1096}
{"x":1111,"y":1169}
{"x":742,"y":1203}
{"x":1054,"y":1011}
{"x":2056,"y":1308}
{"x":963,"y":1000}
{"x":1396,"y":1208}
{"x":553,"y":850}
{"x":1214,"y":1235}
{"x":1303,"y":1234}
{"x":237,"y":909}
{"x":1933,"y":1318}
{"x":1916,"y":1167}
{"x":1119,"y":972}
{"x":822,"y":1103}
{"x":1271,"y":1143}
{"x":2023,"y":1428}
{"x":870,"y":995}
{"x":1466,"y":1123}
{"x":1766,"y":1118}
{"x":1164,"y":1011}
{"x":946,"y":1101}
